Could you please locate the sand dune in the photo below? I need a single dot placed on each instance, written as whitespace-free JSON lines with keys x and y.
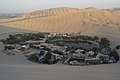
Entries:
{"x":17,"y":67}
{"x":88,"y":21}
{"x":6,"y":31}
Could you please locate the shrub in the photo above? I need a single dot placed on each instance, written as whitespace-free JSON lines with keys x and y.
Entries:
{"x":115,"y":54}
{"x":33,"y":58}
{"x":117,"y":47}
{"x":104,"y":43}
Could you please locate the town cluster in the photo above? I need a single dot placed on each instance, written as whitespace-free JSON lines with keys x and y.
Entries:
{"x":71,"y":49}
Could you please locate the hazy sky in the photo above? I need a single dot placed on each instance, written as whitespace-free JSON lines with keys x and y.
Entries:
{"x":12,"y":6}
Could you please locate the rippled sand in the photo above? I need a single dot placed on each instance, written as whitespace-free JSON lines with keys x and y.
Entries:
{"x":90,"y":21}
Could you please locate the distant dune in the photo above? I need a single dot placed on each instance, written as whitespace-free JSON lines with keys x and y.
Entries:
{"x":88,"y":21}
{"x":6,"y":31}
{"x":10,"y":15}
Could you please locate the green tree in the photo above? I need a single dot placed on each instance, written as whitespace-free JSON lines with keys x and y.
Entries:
{"x":33,"y":58}
{"x":115,"y":54}
{"x":117,"y":47}
{"x":96,"y":38}
{"x":104,"y":43}
{"x":11,"y":37}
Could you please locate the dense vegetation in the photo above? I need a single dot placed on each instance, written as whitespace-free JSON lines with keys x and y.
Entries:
{"x":13,"y":39}
{"x":33,"y":58}
{"x":58,"y":40}
{"x":71,"y":40}
{"x":81,"y":37}
{"x":45,"y":60}
{"x":96,"y":44}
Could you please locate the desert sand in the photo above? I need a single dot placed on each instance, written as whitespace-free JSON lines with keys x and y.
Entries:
{"x":88,"y":21}
{"x":17,"y":67}
{"x":6,"y":31}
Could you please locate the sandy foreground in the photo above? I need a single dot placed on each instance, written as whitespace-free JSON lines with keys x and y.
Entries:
{"x":17,"y":67}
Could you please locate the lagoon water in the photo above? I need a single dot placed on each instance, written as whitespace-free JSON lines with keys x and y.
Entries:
{"x":80,"y":44}
{"x":17,"y":67}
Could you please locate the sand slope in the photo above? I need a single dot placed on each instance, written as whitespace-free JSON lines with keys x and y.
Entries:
{"x":6,"y":31}
{"x":17,"y":67}
{"x":89,"y":21}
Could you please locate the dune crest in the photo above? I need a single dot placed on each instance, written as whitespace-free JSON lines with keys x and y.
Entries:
{"x":89,"y":21}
